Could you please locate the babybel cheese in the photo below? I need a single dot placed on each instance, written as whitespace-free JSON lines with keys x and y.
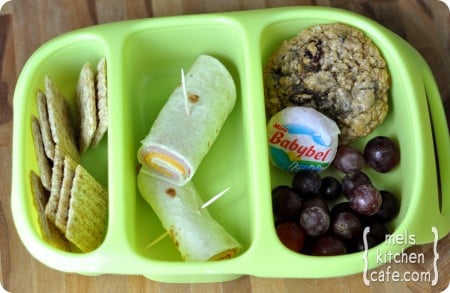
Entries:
{"x":301,"y":138}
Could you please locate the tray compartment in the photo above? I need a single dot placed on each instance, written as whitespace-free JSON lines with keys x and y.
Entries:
{"x":62,"y":63}
{"x":399,"y":125}
{"x":153,"y":60}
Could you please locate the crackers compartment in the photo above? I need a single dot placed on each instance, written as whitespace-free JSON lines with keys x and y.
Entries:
{"x":51,"y":90}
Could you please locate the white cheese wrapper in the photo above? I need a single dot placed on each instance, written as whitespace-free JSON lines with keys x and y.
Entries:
{"x":198,"y":236}
{"x":302,"y":138}
{"x":181,"y":136}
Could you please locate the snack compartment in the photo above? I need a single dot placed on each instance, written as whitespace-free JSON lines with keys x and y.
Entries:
{"x":404,"y":127}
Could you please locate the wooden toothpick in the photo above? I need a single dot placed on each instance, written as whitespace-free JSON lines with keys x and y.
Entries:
{"x":206,"y":204}
{"x":186,"y":99}
{"x":215,"y":197}
{"x":161,"y":237}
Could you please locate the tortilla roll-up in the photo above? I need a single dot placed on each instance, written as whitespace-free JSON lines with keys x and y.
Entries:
{"x":197,"y":235}
{"x":183,"y":133}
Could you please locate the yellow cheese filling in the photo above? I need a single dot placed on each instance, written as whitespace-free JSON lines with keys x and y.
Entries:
{"x":150,"y":159}
{"x":225,"y":254}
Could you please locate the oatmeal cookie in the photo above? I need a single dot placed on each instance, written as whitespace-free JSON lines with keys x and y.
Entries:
{"x":335,"y":69}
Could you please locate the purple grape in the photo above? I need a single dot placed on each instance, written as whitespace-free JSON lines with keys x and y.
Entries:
{"x":358,"y":245}
{"x":328,"y":245}
{"x":306,"y":183}
{"x":314,"y":220}
{"x":338,"y":208}
{"x":378,"y":231}
{"x":365,"y":199}
{"x":330,"y":188}
{"x":382,"y":154}
{"x":315,"y":202}
{"x":377,"y":234}
{"x":390,"y":206}
{"x":286,"y":204}
{"x":353,"y":179}
{"x":348,"y":159}
{"x":347,"y":225}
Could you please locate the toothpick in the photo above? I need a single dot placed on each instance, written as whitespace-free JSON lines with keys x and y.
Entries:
{"x":186,"y":100}
{"x":209,"y":202}
{"x":215,"y":197}
{"x":161,"y":237}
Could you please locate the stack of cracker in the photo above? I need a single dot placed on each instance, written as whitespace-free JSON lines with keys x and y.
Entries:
{"x":92,"y":105}
{"x":72,"y":206}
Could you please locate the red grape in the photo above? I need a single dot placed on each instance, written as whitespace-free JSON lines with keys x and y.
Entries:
{"x":291,"y":235}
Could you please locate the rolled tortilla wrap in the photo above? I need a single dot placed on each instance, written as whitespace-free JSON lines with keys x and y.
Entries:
{"x":197,"y":235}
{"x":179,"y":140}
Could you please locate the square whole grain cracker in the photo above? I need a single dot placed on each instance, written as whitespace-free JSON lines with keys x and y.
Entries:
{"x":64,"y":194}
{"x":51,"y":207}
{"x":102,"y":102}
{"x":49,"y":231}
{"x":49,"y":144}
{"x":87,"y":108}
{"x":44,"y":165}
{"x":60,"y":118}
{"x":88,"y":212}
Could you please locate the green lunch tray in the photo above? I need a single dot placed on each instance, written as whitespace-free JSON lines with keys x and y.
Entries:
{"x":144,"y":59}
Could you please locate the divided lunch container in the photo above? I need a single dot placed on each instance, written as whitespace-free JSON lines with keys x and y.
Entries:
{"x":144,"y":59}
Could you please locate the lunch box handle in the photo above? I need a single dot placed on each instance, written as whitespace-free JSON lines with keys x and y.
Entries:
{"x":431,"y":220}
{"x":441,"y":143}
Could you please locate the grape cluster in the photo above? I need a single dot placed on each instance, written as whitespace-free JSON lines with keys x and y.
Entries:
{"x":308,"y":221}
